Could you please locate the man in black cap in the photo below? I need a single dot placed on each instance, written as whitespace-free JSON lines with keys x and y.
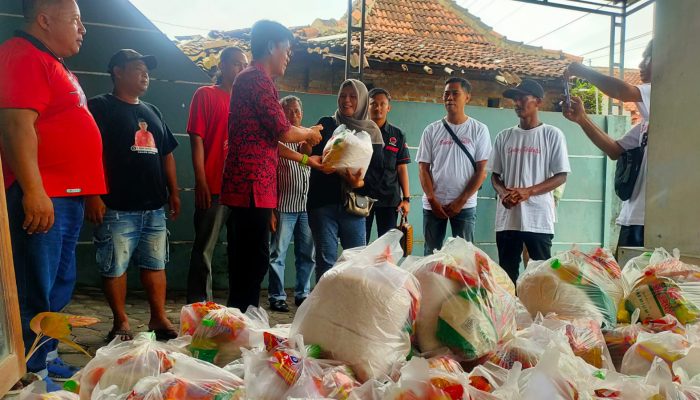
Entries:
{"x":141,"y":179}
{"x":529,"y":161}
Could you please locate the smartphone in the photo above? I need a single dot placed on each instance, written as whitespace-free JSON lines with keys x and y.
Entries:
{"x":567,"y":93}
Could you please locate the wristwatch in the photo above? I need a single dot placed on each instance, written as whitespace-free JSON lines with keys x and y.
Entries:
{"x":408,"y":199}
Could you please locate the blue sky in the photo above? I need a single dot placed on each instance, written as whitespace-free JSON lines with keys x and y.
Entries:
{"x":532,"y":24}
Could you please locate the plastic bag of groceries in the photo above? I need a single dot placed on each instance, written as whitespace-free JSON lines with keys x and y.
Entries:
{"x":362,"y":311}
{"x":574,"y":284}
{"x":222,"y":332}
{"x":617,"y":386}
{"x":348,"y":149}
{"x":467,"y":305}
{"x":559,"y":376}
{"x":118,"y":366}
{"x":491,"y":382}
{"x":281,"y":372}
{"x":168,"y":386}
{"x":585,"y":339}
{"x":527,"y":346}
{"x":666,"y":286}
{"x":37,"y":391}
{"x":191,"y":315}
{"x":189,"y":378}
{"x":667,"y":346}
{"x":621,"y":338}
{"x":419,"y":381}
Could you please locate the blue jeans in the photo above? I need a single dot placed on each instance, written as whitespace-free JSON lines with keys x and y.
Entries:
{"x":125,"y":236}
{"x":44,"y":264}
{"x":328,"y":223}
{"x":434,"y":228}
{"x":288,"y":225}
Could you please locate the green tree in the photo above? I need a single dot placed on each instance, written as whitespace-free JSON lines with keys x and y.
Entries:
{"x":587,"y":92}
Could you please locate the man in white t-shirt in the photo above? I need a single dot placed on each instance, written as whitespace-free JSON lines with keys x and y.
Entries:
{"x":631,"y":218}
{"x":529,"y":161}
{"x":451,"y":174}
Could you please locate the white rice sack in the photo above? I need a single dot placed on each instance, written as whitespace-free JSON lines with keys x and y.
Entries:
{"x":362,"y":311}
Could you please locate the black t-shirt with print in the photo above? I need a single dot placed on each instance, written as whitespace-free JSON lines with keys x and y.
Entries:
{"x":395,"y":154}
{"x":135,"y":141}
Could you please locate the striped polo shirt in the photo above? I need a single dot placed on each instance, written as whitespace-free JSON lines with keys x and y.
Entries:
{"x":292,"y":184}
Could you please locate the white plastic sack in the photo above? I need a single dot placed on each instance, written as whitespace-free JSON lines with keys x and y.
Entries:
{"x":362,"y":311}
{"x":348,"y":150}
{"x":466,"y":304}
{"x":573,"y":285}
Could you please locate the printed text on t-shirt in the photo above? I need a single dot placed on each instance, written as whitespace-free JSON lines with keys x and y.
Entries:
{"x":524,"y":149}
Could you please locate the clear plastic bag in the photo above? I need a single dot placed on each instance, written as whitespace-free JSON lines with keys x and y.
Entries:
{"x":169,"y":386}
{"x":467,"y":304}
{"x":419,"y":381}
{"x":222,"y":332}
{"x":585,"y":339}
{"x":281,"y":373}
{"x":527,"y":346}
{"x":666,"y":286}
{"x":348,"y":150}
{"x":118,"y":366}
{"x":621,"y":338}
{"x":557,"y":376}
{"x":574,"y":284}
{"x":37,"y":391}
{"x":362,"y":311}
{"x":667,"y":346}
{"x":191,"y":315}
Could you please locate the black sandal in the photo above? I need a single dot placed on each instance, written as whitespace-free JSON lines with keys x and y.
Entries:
{"x":122,"y":333}
{"x":163,"y":334}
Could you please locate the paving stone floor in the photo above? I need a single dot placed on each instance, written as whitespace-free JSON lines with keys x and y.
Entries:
{"x":91,"y":302}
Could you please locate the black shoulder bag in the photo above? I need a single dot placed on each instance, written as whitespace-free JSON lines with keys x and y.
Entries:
{"x":627,"y":169}
{"x":460,"y":144}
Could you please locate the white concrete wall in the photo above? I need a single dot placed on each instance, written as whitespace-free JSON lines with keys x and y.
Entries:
{"x":673,"y":186}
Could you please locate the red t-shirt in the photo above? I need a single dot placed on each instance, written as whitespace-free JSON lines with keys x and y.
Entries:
{"x":256,"y":123}
{"x":70,"y":146}
{"x":209,"y":120}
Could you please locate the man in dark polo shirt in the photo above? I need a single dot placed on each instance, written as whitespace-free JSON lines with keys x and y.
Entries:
{"x":393,"y":192}
{"x":140,"y":171}
{"x":52,"y":158}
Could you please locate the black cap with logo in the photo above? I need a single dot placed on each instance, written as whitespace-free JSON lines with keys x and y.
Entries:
{"x":527,"y":86}
{"x":124,"y":56}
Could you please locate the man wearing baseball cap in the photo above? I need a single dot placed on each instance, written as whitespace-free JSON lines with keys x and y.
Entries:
{"x":141,"y":179}
{"x":529,"y":161}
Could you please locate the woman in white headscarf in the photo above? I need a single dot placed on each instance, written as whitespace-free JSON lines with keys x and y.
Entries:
{"x":328,"y":219}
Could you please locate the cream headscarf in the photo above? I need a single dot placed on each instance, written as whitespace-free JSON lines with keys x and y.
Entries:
{"x":360,"y":119}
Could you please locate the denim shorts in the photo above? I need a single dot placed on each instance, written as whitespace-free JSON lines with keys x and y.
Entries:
{"x":137,"y":236}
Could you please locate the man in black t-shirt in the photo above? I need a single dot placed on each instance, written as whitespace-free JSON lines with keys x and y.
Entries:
{"x":393,"y":195}
{"x":140,"y":171}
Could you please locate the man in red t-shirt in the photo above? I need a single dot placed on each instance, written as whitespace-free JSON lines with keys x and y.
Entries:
{"x":52,"y":158}
{"x":208,"y":129}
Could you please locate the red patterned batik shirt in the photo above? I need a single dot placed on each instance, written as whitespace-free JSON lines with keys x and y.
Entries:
{"x":256,"y":122}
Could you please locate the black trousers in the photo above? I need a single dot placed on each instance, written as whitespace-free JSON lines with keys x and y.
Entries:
{"x":631,"y":236}
{"x":248,"y":255}
{"x":386,"y":220}
{"x":510,"y":249}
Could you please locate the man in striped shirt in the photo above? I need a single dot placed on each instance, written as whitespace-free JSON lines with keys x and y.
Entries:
{"x":290,"y":219}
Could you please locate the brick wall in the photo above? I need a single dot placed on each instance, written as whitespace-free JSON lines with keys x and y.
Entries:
{"x":322,"y":78}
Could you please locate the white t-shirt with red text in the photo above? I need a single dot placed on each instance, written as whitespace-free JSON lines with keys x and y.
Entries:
{"x":525,"y":158}
{"x":450,"y":168}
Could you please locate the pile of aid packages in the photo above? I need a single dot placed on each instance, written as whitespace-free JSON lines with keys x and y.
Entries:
{"x":447,"y":326}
